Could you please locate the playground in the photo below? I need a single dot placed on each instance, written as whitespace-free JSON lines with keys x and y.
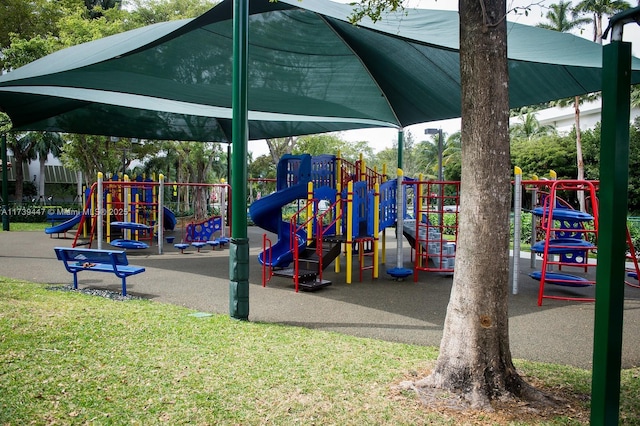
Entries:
{"x":134,"y":215}
{"x":362,"y":292}
{"x":400,"y":311}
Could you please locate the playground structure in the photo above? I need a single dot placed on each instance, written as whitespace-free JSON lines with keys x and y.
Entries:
{"x":563,"y":237}
{"x":434,"y":214}
{"x":325,"y":206}
{"x":337,"y":206}
{"x":134,"y":210}
{"x":360,"y":203}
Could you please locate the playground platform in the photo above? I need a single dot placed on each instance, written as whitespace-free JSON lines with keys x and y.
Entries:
{"x":400,"y":311}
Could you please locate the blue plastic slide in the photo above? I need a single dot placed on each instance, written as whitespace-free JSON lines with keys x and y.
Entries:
{"x":169,"y":219}
{"x":266,"y":213}
{"x":64,"y":226}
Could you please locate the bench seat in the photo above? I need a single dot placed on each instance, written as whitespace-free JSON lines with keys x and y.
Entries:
{"x":111,"y":261}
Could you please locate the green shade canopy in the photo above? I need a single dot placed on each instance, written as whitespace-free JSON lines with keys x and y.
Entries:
{"x":310,"y":71}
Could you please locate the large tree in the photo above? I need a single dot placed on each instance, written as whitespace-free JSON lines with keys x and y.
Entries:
{"x":147,"y":12}
{"x":45,"y":143}
{"x":332,"y":143}
{"x":452,"y":157}
{"x":599,"y":8}
{"x":562,"y":17}
{"x":281,"y":146}
{"x":529,"y":127}
{"x":475,"y":358}
{"x":559,"y":20}
{"x":22,"y":148}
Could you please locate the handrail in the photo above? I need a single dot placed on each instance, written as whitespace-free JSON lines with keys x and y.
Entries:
{"x":266,"y":241}
{"x":550,"y":229}
{"x":86,"y":212}
{"x":350,"y":171}
{"x":293,"y":239}
{"x":322,"y":229}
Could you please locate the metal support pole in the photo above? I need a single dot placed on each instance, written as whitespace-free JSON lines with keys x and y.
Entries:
{"x":517,"y":227}
{"x":534,"y":198}
{"x":400,"y":205}
{"x":400,"y":220}
{"x":614,"y":180}
{"x":160,"y":207}
{"x":440,"y":144}
{"x":440,"y":185}
{"x":400,"y":147}
{"x":5,"y":184}
{"x":99,"y":210}
{"x":239,"y":245}
{"x":229,"y":162}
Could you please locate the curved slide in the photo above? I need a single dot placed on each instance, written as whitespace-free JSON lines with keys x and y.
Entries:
{"x":266,"y":214}
{"x":64,"y":226}
{"x":169,"y":219}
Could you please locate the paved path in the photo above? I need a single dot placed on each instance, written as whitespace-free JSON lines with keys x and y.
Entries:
{"x":558,"y":332}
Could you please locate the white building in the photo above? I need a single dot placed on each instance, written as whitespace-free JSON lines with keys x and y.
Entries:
{"x":563,"y":118}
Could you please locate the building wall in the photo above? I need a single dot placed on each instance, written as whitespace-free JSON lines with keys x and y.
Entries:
{"x":564,"y":118}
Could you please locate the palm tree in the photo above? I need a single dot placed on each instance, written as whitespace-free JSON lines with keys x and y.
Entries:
{"x":452,"y":149}
{"x":558,"y":16}
{"x":635,"y":96}
{"x":46,"y":143}
{"x":599,"y":8}
{"x":559,"y":21}
{"x":22,"y":149}
{"x":529,"y":127}
{"x":427,"y":158}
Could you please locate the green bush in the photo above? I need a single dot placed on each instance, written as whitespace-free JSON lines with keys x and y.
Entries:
{"x":27,"y":213}
{"x":634,"y":231}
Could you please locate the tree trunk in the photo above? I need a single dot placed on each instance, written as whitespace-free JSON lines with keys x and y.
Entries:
{"x":280,"y":146}
{"x":19,"y":174}
{"x":475,"y":358}
{"x":579,"y":159}
{"x":41,"y":195}
{"x":597,"y":24}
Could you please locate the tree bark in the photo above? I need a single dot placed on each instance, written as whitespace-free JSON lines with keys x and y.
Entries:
{"x":475,"y":358}
{"x":280,"y":146}
{"x":19,"y":160}
{"x":41,"y":195}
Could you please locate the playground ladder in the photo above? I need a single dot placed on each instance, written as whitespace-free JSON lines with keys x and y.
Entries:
{"x":567,"y":241}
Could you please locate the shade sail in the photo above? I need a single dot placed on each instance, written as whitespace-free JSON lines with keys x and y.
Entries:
{"x":310,"y":71}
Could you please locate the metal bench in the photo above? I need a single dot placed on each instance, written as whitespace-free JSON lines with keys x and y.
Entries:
{"x":112,"y":261}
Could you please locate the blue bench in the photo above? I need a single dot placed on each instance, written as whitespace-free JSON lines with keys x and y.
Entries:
{"x":82,"y":259}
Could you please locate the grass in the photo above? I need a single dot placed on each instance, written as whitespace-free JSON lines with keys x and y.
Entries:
{"x":70,"y":358}
{"x":22,"y":226}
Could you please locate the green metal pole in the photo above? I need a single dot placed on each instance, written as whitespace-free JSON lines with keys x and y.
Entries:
{"x":400,"y":147}
{"x":614,"y":180}
{"x":5,"y":184}
{"x":239,"y":245}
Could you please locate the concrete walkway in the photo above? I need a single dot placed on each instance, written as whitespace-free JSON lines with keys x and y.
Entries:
{"x":558,"y":332}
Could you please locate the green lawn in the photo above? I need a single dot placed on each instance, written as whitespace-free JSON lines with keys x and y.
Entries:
{"x":70,"y":358}
{"x":21,"y":226}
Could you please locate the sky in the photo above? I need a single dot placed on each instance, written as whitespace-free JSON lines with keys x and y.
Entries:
{"x":382,"y":138}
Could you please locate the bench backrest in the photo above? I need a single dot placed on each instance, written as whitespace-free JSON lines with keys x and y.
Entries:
{"x":91,"y":255}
